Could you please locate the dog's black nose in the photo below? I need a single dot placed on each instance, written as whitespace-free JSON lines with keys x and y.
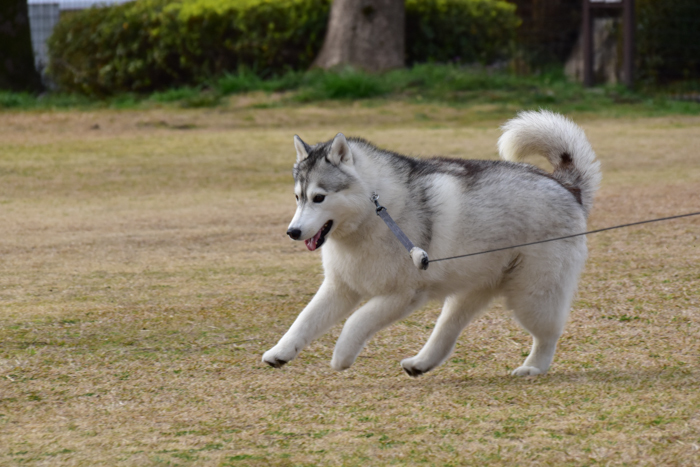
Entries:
{"x":294,"y":234}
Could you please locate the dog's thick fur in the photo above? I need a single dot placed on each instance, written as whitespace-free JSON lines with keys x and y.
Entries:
{"x":447,"y":207}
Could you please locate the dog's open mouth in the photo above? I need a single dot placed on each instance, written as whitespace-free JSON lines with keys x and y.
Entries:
{"x":317,"y":240}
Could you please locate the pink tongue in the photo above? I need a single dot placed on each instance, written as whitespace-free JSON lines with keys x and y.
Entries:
{"x":311,"y":242}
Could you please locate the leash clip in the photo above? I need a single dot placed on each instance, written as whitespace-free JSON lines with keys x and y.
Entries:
{"x":375,"y":199}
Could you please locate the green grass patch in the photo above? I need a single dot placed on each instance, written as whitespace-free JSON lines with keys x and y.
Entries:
{"x":458,"y":85}
{"x":26,"y":101}
{"x":441,"y":84}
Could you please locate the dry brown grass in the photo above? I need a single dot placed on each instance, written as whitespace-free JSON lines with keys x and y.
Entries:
{"x":145,"y":270}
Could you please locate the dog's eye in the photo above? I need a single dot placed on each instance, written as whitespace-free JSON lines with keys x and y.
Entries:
{"x":297,"y":197}
{"x":319,"y":198}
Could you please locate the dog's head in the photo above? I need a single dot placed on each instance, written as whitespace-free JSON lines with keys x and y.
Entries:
{"x":324,"y":180}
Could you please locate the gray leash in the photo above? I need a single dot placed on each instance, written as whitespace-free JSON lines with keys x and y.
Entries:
{"x":420,"y":257}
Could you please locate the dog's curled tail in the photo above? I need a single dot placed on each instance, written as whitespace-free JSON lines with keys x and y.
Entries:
{"x":562,"y":142}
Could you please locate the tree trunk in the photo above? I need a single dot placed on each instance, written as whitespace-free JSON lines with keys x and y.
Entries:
{"x":366,"y":34}
{"x":17,"y":71}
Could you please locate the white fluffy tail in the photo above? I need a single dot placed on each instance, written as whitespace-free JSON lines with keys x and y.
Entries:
{"x":562,"y":142}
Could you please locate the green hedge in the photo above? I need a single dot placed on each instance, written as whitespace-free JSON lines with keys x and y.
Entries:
{"x":155,"y":44}
{"x":464,"y":31}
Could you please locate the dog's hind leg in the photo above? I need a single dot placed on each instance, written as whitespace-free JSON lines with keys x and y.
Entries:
{"x":543,"y":315}
{"x":378,"y":313}
{"x":457,"y":312}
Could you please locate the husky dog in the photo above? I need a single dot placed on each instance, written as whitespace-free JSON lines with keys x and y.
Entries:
{"x":447,"y":207}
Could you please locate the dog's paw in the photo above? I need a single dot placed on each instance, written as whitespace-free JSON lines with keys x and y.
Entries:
{"x":341,"y":364}
{"x":413,"y":368}
{"x":274,"y":362}
{"x":275,"y":359}
{"x":527,"y":371}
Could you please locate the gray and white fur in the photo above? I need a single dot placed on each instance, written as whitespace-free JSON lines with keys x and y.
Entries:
{"x":446,"y":207}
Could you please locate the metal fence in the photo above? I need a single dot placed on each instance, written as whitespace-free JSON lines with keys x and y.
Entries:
{"x":667,"y":47}
{"x":666,"y":38}
{"x":43,"y":16}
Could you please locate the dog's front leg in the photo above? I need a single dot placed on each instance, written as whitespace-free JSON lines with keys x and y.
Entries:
{"x":378,"y":313}
{"x":332,"y":303}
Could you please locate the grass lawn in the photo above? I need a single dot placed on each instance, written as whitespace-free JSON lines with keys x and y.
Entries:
{"x":145,"y":269}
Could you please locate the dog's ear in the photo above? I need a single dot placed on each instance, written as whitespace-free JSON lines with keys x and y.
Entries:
{"x":302,"y":149}
{"x":340,"y":151}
